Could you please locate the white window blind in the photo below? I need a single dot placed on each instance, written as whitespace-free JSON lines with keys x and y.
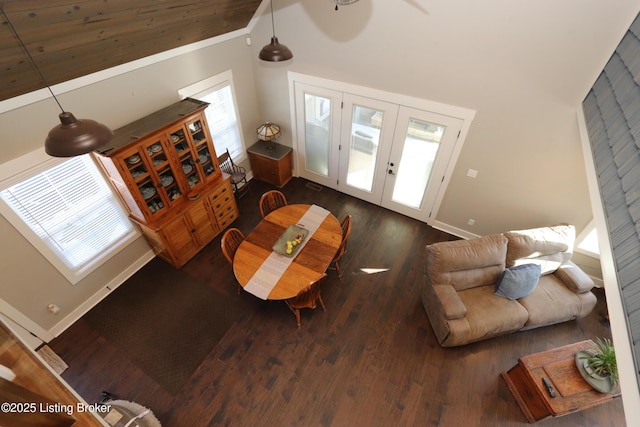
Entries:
{"x":222,"y":119}
{"x":222,"y":116}
{"x":71,"y":209}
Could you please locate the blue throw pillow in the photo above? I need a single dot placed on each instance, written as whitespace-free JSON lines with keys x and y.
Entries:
{"x":519,"y":281}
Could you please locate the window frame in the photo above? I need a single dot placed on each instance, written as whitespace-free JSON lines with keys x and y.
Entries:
{"x":31,"y":164}
{"x":211,"y":83}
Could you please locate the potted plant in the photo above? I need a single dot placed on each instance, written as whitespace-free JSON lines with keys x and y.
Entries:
{"x":599,"y":363}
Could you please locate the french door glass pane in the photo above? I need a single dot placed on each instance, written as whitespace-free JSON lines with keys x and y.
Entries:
{"x":317,"y":113}
{"x":418,"y":154}
{"x":363,"y":150}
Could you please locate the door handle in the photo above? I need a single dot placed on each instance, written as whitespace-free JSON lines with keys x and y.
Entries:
{"x":391,"y":172}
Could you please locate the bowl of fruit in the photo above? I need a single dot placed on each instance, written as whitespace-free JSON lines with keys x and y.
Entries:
{"x":290,"y":241}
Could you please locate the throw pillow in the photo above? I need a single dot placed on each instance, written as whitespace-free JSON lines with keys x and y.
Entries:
{"x":518,"y":282}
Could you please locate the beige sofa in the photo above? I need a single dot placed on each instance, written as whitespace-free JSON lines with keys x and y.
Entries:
{"x":460,"y":277}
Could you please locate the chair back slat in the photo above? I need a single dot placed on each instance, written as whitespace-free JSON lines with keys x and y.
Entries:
{"x":346,"y":232}
{"x":307,"y":298}
{"x":226,"y":164}
{"x":270,"y":201}
{"x":238,"y":173}
{"x":342,"y":249}
{"x":230,"y":242}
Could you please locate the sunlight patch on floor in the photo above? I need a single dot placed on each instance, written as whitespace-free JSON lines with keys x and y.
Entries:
{"x":373,"y":270}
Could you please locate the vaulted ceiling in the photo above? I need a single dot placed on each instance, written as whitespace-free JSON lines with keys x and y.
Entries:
{"x":68,"y":39}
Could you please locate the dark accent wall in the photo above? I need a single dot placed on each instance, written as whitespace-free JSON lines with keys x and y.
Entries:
{"x":612,"y":114}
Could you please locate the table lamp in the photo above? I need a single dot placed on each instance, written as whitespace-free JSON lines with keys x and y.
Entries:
{"x":268,"y":132}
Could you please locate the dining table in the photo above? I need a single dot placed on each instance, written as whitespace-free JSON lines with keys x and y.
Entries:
{"x":261,"y":264}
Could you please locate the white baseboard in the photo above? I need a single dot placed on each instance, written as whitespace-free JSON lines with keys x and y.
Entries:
{"x":453,"y":230}
{"x":80,"y":311}
{"x":28,"y":338}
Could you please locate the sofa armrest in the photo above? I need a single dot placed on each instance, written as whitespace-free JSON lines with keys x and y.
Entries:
{"x":452,"y":305}
{"x":574,"y":278}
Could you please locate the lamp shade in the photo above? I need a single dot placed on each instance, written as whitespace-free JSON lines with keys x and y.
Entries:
{"x":73,"y":137}
{"x":268,"y":132}
{"x":275,"y":52}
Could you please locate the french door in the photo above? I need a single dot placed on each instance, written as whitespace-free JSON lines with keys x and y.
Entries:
{"x":387,"y":154}
{"x":318,"y":118}
{"x":421,"y":153}
{"x":365,"y":136}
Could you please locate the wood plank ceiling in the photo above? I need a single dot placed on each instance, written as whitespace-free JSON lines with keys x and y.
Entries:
{"x":70,"y":39}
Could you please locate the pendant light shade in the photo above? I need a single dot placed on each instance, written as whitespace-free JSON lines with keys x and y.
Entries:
{"x":343,"y":2}
{"x":73,"y":137}
{"x":274,"y":51}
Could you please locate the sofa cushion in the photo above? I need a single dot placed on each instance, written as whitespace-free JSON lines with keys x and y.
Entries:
{"x":519,"y":281}
{"x":464,"y":264}
{"x":547,"y":246}
{"x":487,"y":316}
{"x":552,"y":302}
{"x":574,"y":278}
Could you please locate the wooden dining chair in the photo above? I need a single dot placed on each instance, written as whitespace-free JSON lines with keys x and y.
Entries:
{"x":270,"y":201}
{"x":346,"y":232}
{"x":238,"y":174}
{"x":229,"y":243}
{"x":307,"y":298}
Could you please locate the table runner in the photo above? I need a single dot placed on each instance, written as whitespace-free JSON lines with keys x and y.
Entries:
{"x":272,"y":268}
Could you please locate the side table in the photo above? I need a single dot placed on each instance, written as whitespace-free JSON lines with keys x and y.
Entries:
{"x":558,"y":366}
{"x":271,"y":162}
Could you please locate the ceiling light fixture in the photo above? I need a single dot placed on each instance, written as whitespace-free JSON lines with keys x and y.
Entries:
{"x":72,"y":137}
{"x":274,"y":51}
{"x":343,"y":2}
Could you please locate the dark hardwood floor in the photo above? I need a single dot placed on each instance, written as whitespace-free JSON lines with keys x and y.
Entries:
{"x":370,"y":360}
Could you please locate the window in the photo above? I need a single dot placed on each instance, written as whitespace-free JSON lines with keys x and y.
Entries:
{"x":69,"y":213}
{"x":222,"y":116}
{"x":587,"y":241}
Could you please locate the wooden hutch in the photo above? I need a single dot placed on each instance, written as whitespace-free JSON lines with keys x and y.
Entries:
{"x":165,"y":169}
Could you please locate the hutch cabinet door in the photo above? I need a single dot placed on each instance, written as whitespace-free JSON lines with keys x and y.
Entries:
{"x":201,"y":139}
{"x":192,"y":146}
{"x":137,"y":168}
{"x":180,"y":240}
{"x":186,"y":155}
{"x":162,"y":170}
{"x":204,"y":225}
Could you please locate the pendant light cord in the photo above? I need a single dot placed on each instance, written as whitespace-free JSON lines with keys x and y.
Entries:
{"x":33,"y":62}
{"x":273,"y":26}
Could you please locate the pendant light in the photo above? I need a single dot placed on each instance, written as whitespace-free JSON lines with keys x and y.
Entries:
{"x":274,"y":51}
{"x":344,"y":2}
{"x":72,"y":137}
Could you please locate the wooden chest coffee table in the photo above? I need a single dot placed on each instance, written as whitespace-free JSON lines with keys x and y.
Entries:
{"x":558,"y":366}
